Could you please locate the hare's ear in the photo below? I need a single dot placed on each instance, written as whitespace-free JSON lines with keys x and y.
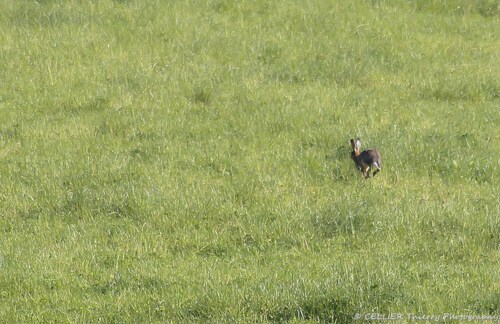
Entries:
{"x":352,"y":143}
{"x":357,"y":144}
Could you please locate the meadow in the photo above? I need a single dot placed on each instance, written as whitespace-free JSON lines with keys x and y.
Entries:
{"x":189,"y":161}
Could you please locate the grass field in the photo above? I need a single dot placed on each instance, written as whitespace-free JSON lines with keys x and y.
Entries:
{"x":190,"y":160}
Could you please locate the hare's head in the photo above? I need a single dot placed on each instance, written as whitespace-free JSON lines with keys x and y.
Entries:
{"x":356,"y":146}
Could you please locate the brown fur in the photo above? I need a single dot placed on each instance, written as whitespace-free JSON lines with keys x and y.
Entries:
{"x":366,"y":159}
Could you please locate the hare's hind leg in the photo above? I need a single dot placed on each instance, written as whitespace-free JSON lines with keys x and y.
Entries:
{"x":378,"y":167}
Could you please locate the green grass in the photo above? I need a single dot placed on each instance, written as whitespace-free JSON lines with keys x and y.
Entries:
{"x":190,"y":160}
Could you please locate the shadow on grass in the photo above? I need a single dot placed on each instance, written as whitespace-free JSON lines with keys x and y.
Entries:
{"x":336,"y":220}
{"x":326,"y":309}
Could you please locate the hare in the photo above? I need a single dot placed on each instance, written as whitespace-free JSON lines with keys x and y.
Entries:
{"x":364,"y":160}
